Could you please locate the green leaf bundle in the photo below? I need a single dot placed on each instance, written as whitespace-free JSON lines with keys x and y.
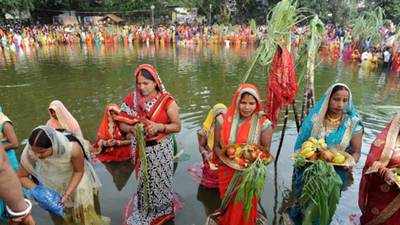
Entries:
{"x":368,"y":24}
{"x":141,"y":147}
{"x":252,"y":184}
{"x":320,"y":194}
{"x":281,"y":19}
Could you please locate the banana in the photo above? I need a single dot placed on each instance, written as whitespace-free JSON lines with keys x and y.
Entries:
{"x":307,"y":152}
{"x":313,"y":140}
{"x":307,"y":144}
{"x":397,"y":178}
{"x":339,"y":158}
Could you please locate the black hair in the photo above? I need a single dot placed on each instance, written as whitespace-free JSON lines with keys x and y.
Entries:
{"x":249,"y":94}
{"x":39,"y":138}
{"x":338,"y":88}
{"x":146,"y":74}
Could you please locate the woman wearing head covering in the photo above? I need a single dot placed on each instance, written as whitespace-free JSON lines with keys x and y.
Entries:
{"x":207,"y":174}
{"x":379,"y":196}
{"x":111,"y":143}
{"x":61,"y":119}
{"x":334,"y":119}
{"x":244,"y":122}
{"x":60,"y":163}
{"x":8,"y":139}
{"x":153,"y":106}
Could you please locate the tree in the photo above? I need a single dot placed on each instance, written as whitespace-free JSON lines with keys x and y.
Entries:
{"x":10,"y":5}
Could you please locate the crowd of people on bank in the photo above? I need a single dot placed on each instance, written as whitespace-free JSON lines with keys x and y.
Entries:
{"x":338,"y":41}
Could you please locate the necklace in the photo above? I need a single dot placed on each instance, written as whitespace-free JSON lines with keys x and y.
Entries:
{"x":331,"y":123}
{"x":332,"y":119}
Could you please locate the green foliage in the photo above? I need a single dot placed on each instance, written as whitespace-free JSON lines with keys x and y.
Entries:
{"x":391,"y":8}
{"x":320,"y":194}
{"x":367,"y":25}
{"x":141,"y":147}
{"x":253,"y":25}
{"x":317,"y":29}
{"x":281,"y":19}
{"x":252,"y":184}
{"x":7,"y":5}
{"x":247,"y":185}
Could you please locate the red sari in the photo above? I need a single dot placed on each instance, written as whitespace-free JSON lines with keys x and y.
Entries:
{"x":109,"y":130}
{"x":247,"y":131}
{"x":396,"y":63}
{"x":137,"y":107}
{"x":379,"y":201}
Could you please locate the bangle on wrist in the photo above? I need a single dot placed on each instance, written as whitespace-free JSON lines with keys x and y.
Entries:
{"x":23,"y":213}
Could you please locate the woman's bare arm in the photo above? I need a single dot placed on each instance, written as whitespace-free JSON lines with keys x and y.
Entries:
{"x":12,"y":140}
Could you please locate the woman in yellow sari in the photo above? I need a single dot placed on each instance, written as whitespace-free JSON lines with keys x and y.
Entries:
{"x":207,"y":175}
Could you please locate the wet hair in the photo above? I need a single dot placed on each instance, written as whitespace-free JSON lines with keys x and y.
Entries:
{"x":338,"y":88}
{"x":39,"y":138}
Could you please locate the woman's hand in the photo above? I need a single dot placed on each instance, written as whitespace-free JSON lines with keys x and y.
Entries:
{"x":27,"y":220}
{"x":66,"y":197}
{"x":153,"y":128}
{"x":386,"y":174}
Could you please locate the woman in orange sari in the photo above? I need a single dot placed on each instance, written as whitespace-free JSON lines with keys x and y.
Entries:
{"x":379,"y":197}
{"x":244,"y":122}
{"x":153,"y":106}
{"x":111,"y":144}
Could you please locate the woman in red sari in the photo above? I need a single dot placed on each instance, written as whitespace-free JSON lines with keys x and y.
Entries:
{"x":244,"y":122}
{"x":379,"y":197}
{"x":395,"y":68}
{"x":112,"y":145}
{"x":153,"y":106}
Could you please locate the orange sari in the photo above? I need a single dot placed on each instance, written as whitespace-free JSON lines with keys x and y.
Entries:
{"x":233,"y":131}
{"x":109,"y":130}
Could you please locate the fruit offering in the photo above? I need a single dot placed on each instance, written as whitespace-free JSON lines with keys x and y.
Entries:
{"x":314,"y":149}
{"x":397,"y":175}
{"x":244,"y":155}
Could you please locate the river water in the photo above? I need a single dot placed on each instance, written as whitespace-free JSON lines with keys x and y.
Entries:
{"x":85,"y":79}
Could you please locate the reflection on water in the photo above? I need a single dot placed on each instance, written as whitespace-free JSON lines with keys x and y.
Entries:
{"x":120,"y":172}
{"x":88,"y":78}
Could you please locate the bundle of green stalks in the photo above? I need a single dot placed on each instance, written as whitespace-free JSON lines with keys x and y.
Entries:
{"x":367,"y":25}
{"x":141,"y":147}
{"x":281,"y":20}
{"x":320,"y":193}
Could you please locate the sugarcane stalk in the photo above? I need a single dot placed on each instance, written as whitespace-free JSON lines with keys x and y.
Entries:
{"x":246,"y":77}
{"x":296,"y":116}
{"x":282,"y":134}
